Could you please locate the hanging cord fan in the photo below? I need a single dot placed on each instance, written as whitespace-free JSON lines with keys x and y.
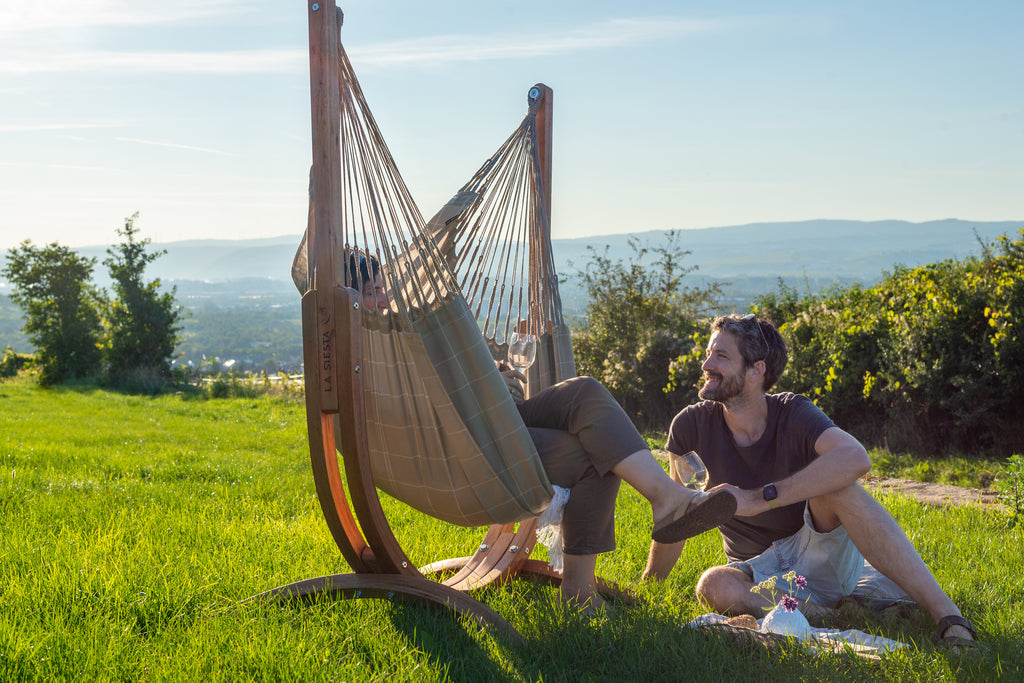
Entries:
{"x":495,"y":235}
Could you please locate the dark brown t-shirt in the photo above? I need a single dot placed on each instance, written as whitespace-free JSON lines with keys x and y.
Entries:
{"x":787,"y":446}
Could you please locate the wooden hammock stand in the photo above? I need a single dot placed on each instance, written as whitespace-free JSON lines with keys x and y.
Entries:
{"x":334,"y":404}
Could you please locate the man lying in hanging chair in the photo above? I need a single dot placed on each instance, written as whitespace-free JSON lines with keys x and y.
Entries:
{"x":587,"y":444}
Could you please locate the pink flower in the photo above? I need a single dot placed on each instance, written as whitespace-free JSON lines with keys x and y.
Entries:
{"x":800,"y":581}
{"x":789,"y":603}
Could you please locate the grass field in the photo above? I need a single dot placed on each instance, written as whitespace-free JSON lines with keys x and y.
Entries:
{"x":133,"y":528}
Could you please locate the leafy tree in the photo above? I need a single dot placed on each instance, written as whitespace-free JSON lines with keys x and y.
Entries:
{"x":143,"y":322}
{"x":51,"y":286}
{"x":639,"y":318}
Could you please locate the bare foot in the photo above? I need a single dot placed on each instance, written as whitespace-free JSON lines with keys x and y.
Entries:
{"x":586,"y":600}
{"x":677,"y":497}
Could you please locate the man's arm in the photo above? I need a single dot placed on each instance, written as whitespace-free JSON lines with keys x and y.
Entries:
{"x":841,"y":461}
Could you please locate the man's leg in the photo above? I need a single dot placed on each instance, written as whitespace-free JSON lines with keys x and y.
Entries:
{"x":588,"y":518}
{"x":579,"y":586}
{"x":884,"y":544}
{"x":727,"y":589}
{"x":827,"y":558}
{"x":582,"y":407}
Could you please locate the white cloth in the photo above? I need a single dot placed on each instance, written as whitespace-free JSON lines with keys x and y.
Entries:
{"x":826,"y":638}
{"x":549,"y":527}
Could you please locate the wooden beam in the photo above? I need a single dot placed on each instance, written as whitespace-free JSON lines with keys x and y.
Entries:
{"x":545,"y":121}
{"x":325,"y":185}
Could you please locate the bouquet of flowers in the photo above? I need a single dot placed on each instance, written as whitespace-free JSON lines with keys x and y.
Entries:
{"x":785,"y":618}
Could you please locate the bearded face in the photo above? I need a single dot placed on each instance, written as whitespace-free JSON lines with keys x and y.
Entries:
{"x":721,"y":388}
{"x":724,"y":369}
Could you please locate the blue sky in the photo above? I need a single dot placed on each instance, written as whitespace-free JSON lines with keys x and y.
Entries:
{"x":667,"y":114}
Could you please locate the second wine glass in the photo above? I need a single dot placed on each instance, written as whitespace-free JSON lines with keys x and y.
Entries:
{"x":690,"y":471}
{"x":522,"y":350}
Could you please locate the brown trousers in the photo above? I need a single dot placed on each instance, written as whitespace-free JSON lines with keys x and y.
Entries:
{"x":581,"y":433}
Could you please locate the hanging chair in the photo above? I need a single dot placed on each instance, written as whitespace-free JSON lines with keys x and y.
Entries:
{"x":410,"y":396}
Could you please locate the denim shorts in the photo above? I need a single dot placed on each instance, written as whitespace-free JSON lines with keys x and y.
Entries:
{"x":830,"y":562}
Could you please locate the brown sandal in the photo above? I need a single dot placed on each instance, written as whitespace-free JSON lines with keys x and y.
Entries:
{"x":699,"y":514}
{"x":946,"y":623}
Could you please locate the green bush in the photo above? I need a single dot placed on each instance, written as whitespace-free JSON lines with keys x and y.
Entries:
{"x":11,"y":362}
{"x":233,"y":385}
{"x":140,"y":380}
{"x":220,"y":388}
{"x":639,"y":319}
{"x":930,"y":360}
{"x":1010,"y":483}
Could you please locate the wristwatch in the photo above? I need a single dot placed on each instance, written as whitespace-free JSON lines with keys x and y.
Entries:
{"x":771,"y":494}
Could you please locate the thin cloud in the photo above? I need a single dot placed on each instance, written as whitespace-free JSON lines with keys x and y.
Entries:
{"x":74,"y":167}
{"x":176,"y":146}
{"x":432,"y":50}
{"x":36,"y":127}
{"x":61,"y":167}
{"x":608,"y":34}
{"x":238,"y":62}
{"x":17,"y":17}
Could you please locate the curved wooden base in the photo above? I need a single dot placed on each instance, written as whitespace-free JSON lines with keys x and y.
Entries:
{"x":396,"y":588}
{"x":499,"y":556}
{"x":538,"y":570}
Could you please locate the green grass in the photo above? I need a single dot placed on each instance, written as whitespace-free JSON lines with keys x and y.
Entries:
{"x":960,"y":470}
{"x":134,"y":528}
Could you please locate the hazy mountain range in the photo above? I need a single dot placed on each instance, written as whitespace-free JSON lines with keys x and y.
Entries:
{"x":820,"y":248}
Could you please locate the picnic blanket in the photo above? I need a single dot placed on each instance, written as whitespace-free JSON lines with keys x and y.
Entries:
{"x":821,"y":639}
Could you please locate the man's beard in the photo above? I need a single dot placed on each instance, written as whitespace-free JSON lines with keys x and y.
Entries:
{"x":728,"y":387}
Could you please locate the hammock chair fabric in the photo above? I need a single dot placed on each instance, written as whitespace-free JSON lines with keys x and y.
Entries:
{"x":444,"y":434}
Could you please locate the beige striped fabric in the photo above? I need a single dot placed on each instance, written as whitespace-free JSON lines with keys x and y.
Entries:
{"x":445,"y":436}
{"x":555,"y":361}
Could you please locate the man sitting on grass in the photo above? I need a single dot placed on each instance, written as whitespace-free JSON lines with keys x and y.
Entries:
{"x":794,"y":475}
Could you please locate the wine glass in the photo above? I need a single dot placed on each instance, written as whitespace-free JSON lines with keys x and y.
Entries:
{"x":522,"y":350}
{"x":690,"y":470}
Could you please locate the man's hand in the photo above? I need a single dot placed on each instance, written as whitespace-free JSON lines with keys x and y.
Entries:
{"x":514,"y":381}
{"x":749,"y":502}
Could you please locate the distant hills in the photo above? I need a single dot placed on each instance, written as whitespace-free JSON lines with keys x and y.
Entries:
{"x":830,"y":249}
